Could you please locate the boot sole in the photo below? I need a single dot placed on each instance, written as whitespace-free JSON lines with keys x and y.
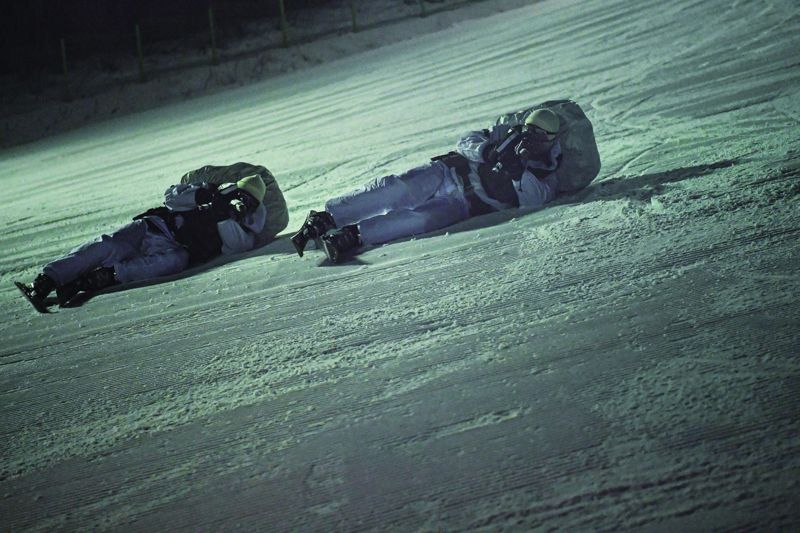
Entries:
{"x":39,"y":305}
{"x":299,"y":241}
{"x":331,"y":251}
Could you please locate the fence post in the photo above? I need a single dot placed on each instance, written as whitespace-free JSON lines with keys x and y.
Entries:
{"x":214,"y":56}
{"x":66,"y":94}
{"x":64,"y":57}
{"x":422,"y":12}
{"x":353,"y":15}
{"x":284,"y":25}
{"x":139,"y":54}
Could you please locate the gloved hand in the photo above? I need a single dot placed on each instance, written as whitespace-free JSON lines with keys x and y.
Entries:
{"x":205,"y":195}
{"x":227,"y":206}
{"x":238,"y":209}
{"x":509,"y":165}
{"x":223,"y":207}
{"x":234,"y":204}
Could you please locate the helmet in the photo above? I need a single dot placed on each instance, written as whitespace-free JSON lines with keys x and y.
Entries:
{"x":544,"y":119}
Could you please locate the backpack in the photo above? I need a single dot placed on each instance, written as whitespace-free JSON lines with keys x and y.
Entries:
{"x":580,"y":161}
{"x":275,"y":204}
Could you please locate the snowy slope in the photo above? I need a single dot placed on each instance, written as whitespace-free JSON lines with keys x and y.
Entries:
{"x":624,"y":359}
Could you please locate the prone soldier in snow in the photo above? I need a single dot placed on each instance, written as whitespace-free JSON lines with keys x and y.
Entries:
{"x":498,"y":168}
{"x":196,"y":222}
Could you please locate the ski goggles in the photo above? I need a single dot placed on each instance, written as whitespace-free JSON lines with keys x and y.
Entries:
{"x":540,"y":134}
{"x":247,"y":199}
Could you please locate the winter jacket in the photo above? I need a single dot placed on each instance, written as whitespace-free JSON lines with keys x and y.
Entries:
{"x":539,"y":182}
{"x":277,"y":214}
{"x":580,"y":159}
{"x":198,"y":228}
{"x":235,"y":237}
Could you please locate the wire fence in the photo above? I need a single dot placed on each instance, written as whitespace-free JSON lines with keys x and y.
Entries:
{"x":88,"y":79}
{"x":205,"y":28}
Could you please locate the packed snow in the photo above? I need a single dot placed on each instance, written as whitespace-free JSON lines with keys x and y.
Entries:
{"x":624,"y":358}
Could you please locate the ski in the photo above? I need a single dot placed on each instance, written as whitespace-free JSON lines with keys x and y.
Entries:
{"x":39,"y":304}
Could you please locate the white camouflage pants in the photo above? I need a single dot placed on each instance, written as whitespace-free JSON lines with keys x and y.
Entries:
{"x":135,"y":251}
{"x":424,"y":199}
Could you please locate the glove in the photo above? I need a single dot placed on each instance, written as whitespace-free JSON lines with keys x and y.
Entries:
{"x":204,"y":196}
{"x":238,"y":209}
{"x":235,"y":205}
{"x":509,"y":165}
{"x":220,"y":208}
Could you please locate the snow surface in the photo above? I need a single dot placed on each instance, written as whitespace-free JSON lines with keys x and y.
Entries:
{"x":625,"y":358}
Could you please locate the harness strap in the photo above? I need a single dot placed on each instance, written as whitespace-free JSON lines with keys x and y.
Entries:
{"x":460,"y":164}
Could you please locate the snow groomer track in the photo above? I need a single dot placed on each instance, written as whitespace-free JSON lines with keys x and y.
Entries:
{"x":624,"y":359}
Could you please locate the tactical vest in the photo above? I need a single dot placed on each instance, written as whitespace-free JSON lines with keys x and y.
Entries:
{"x":460,"y":164}
{"x":196,"y":230}
{"x":497,"y":185}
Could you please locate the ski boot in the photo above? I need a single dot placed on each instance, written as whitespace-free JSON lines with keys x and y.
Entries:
{"x":90,"y":282}
{"x":337,"y":244}
{"x":36,"y":293}
{"x":316,"y":225}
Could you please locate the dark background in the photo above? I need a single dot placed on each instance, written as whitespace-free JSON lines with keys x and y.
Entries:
{"x":31,"y":30}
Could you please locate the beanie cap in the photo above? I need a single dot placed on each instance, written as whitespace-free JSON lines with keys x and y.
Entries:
{"x":253,"y":185}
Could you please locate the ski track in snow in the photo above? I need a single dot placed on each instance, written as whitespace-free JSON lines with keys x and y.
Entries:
{"x":623,"y":359}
